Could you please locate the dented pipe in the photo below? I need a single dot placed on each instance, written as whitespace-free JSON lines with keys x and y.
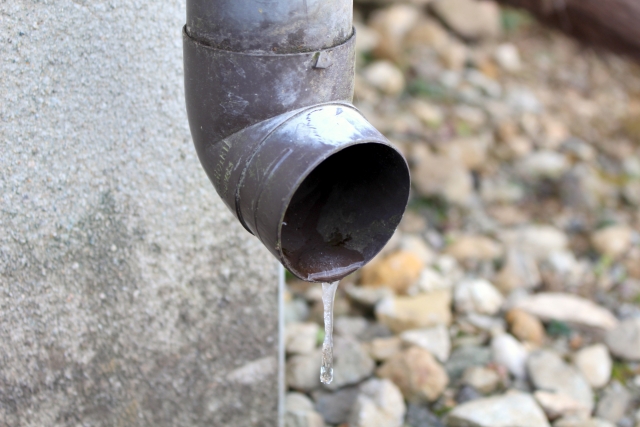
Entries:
{"x":268,"y":86}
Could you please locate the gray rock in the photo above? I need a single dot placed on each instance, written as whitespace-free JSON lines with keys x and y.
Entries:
{"x":624,"y":341}
{"x":435,"y":339}
{"x":613,"y":403}
{"x":299,"y":412}
{"x":514,"y":409}
{"x":335,"y":407}
{"x":595,"y":364}
{"x":420,"y":416}
{"x":465,"y":357}
{"x":467,"y":393}
{"x":510,"y":353}
{"x":351,"y":363}
{"x":548,"y":372}
{"x":379,"y":404}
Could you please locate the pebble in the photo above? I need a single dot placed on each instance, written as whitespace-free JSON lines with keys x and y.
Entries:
{"x":568,"y":308}
{"x":438,"y":175}
{"x":520,"y":270}
{"x":350,"y":326}
{"x":402,"y":313}
{"x":477,"y":296}
{"x":557,"y":405}
{"x":417,"y":246}
{"x":612,"y":241}
{"x":351,"y":363}
{"x":393,"y":24}
{"x":303,"y":371}
{"x":510,"y":353}
{"x":381,"y":349}
{"x":525,"y":327}
{"x":508,"y":57}
{"x":432,"y":280}
{"x":613,"y":403}
{"x":469,"y":19}
{"x":397,"y":271}
{"x":474,"y":247}
{"x":384,"y":76}
{"x":379,"y":404}
{"x":430,"y":114}
{"x":537,"y":240}
{"x":624,"y":340}
{"x":301,"y":338}
{"x":543,"y":164}
{"x":435,"y":339}
{"x":465,"y":357}
{"x":299,"y":412}
{"x":335,"y":407}
{"x":471,"y":151}
{"x":366,"y":295}
{"x":548,"y":372}
{"x":467,"y":393}
{"x":595,"y":364}
{"x":483,"y":379}
{"x":513,"y":409}
{"x":582,"y":422}
{"x":417,"y":373}
{"x":421,"y":416}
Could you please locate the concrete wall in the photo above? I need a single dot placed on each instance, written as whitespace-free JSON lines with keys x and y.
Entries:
{"x":128,"y":294}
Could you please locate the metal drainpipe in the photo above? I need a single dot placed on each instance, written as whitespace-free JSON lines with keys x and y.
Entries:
{"x":268,"y":86}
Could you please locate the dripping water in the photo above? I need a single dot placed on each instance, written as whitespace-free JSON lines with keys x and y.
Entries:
{"x":328,"y":296}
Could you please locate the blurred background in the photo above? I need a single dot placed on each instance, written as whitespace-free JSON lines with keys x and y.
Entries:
{"x":510,"y":295}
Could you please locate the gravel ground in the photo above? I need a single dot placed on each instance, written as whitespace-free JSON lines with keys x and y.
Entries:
{"x":510,"y":295}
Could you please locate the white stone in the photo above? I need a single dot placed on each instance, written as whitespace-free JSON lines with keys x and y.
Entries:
{"x":470,"y":19}
{"x":568,"y":308}
{"x":384,"y":76}
{"x":477,"y":296}
{"x":624,"y":340}
{"x":379,"y":404}
{"x":510,"y":353}
{"x":557,"y":405}
{"x":543,"y":164}
{"x":435,"y":339}
{"x":514,"y":409}
{"x":300,"y":412}
{"x":301,"y":338}
{"x":595,"y":364}
{"x":548,"y":372}
{"x":508,"y":57}
{"x":537,"y":240}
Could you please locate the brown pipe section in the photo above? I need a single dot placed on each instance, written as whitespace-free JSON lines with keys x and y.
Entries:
{"x":268,"y":87}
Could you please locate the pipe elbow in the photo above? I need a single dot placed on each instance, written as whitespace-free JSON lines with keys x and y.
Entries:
{"x":293,"y":160}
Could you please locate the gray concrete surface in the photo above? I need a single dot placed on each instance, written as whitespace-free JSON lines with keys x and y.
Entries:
{"x":128,"y":294}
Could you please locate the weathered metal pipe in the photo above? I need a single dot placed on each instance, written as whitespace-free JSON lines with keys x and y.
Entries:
{"x":268,"y":87}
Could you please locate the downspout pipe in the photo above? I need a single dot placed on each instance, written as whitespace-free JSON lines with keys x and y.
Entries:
{"x":268,"y":86}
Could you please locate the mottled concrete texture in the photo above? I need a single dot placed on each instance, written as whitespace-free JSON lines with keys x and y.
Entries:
{"x":129,"y":296}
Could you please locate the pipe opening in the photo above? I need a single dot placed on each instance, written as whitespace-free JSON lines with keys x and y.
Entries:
{"x":344,"y":212}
